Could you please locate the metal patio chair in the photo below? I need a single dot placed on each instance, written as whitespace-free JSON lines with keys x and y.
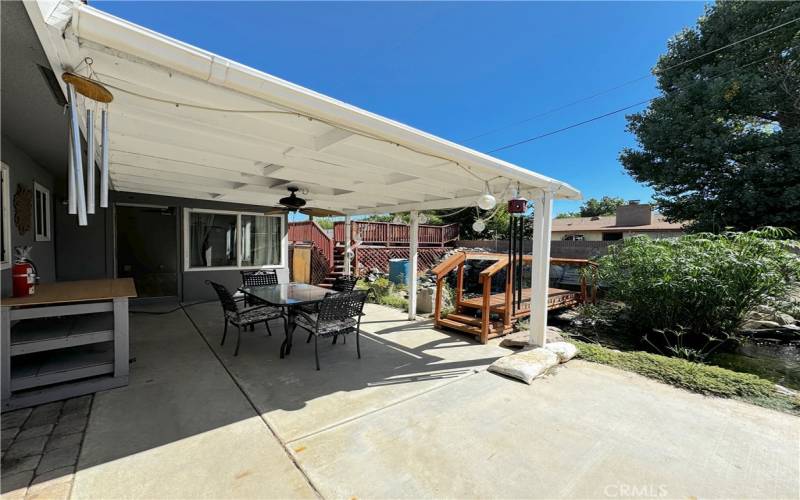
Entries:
{"x":340,"y":284}
{"x":243,"y":317}
{"x":338,"y":314}
{"x":344,"y":283}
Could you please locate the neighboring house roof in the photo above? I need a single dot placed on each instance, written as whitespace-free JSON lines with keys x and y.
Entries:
{"x":609,"y":223}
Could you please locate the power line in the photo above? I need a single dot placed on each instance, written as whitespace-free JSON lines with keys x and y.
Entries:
{"x":625,"y":84}
{"x":610,"y":113}
{"x":509,"y":146}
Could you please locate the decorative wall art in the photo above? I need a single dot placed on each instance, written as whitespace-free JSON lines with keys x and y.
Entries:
{"x":23,"y":208}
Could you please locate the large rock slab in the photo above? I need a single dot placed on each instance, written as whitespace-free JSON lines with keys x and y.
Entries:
{"x":520,"y":339}
{"x":525,"y":365}
{"x":564,"y":350}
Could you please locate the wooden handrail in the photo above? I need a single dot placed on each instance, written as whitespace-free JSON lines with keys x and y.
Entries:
{"x":449,"y":264}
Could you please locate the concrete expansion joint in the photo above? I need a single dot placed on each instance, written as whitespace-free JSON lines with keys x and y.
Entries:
{"x":252,"y":404}
{"x":383,"y":408}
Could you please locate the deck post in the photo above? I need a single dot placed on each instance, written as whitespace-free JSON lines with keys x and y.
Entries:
{"x":542,"y":225}
{"x":348,"y":241}
{"x":413,"y":244}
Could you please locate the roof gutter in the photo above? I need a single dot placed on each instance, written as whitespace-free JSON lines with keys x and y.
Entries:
{"x":102,"y":28}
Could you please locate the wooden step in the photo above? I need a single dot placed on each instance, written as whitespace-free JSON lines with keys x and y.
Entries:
{"x":463,"y":318}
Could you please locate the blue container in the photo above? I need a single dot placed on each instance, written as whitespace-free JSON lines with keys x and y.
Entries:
{"x":398,"y":271}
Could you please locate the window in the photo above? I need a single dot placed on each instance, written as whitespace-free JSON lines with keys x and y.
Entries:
{"x":216,"y":239}
{"x":612,"y":236}
{"x":261,"y":240}
{"x":573,"y":237}
{"x":41,"y":212}
{"x":5,"y":218}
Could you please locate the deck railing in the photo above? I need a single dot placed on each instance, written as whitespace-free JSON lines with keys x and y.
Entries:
{"x":391,"y":234}
{"x":311,"y":232}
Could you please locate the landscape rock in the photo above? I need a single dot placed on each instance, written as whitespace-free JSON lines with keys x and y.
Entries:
{"x":525,"y":365}
{"x":564,"y":350}
{"x":760,"y":324}
{"x":769,"y":315}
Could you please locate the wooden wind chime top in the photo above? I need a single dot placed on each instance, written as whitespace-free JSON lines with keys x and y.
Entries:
{"x":88,"y":87}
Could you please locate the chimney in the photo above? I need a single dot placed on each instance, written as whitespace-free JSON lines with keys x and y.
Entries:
{"x":634,"y":214}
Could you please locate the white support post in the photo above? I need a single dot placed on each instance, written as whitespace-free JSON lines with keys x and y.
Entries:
{"x":413,"y":244}
{"x":348,"y":240}
{"x":542,"y":226}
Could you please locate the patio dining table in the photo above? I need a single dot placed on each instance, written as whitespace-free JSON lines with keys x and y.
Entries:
{"x":289,"y":296}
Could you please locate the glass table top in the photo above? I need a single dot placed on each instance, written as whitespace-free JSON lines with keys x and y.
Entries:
{"x":287,"y":294}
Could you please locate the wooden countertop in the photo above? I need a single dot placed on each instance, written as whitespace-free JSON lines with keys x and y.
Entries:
{"x":63,"y":292}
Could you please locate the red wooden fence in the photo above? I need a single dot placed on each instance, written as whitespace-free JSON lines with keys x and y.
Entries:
{"x":369,"y":258}
{"x":391,"y":234}
{"x":311,"y":232}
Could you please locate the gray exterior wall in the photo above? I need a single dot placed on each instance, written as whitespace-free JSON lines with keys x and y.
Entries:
{"x":88,"y":252}
{"x":23,"y":170}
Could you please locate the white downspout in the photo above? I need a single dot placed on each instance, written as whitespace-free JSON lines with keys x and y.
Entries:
{"x":542,"y":226}
{"x":347,"y":245}
{"x":413,"y":244}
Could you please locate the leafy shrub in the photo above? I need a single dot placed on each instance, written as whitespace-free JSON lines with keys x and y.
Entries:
{"x":384,"y":292}
{"x":698,"y":287}
{"x":395,"y":301}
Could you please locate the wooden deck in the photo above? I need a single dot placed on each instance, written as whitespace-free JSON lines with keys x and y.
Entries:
{"x":556,"y":299}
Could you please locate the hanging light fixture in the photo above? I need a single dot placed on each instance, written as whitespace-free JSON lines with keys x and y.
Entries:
{"x":81,"y":196}
{"x":422,"y":219}
{"x":478,"y":226}
{"x":487,"y":201}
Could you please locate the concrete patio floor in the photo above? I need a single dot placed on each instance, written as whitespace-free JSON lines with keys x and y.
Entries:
{"x":418,"y":416}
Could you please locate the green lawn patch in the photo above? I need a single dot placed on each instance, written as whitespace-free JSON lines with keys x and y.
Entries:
{"x":695,"y":377}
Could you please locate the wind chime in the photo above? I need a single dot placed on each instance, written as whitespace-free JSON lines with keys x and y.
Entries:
{"x":81,"y":192}
{"x":516,"y":209}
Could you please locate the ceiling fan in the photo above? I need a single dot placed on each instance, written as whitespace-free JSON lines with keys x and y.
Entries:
{"x":294,"y":203}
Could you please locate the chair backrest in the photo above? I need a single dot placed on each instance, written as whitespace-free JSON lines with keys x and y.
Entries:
{"x":225,"y":297}
{"x":344,"y":283}
{"x":341,"y":306}
{"x":259,"y":278}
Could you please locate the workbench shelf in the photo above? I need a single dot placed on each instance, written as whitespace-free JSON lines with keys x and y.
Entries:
{"x":47,"y":368}
{"x":46,"y":334}
{"x":69,"y":339}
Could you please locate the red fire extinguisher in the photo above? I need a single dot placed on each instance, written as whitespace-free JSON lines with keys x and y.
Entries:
{"x":23,"y":273}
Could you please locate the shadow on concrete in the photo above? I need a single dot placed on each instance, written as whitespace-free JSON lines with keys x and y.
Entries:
{"x":183,"y":383}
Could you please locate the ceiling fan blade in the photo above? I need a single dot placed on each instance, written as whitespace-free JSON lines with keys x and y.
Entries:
{"x":274,"y":210}
{"x":320,"y":212}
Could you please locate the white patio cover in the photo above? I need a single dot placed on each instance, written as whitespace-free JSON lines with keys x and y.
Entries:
{"x":273,"y":133}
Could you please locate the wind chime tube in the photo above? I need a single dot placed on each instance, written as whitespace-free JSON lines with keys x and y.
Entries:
{"x":520,"y":239}
{"x":510,"y":267}
{"x":90,"y":144}
{"x":80,"y":192}
{"x":104,"y":160}
{"x":72,"y":207}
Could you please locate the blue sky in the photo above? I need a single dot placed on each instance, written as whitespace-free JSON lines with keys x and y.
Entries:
{"x":457,"y":69}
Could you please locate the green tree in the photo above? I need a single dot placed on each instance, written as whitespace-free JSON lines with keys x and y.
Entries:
{"x":721,"y":144}
{"x":607,"y":205}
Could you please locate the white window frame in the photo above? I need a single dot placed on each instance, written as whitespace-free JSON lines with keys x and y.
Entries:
{"x":38,"y":188}
{"x":239,"y":242}
{"x":6,"y":181}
